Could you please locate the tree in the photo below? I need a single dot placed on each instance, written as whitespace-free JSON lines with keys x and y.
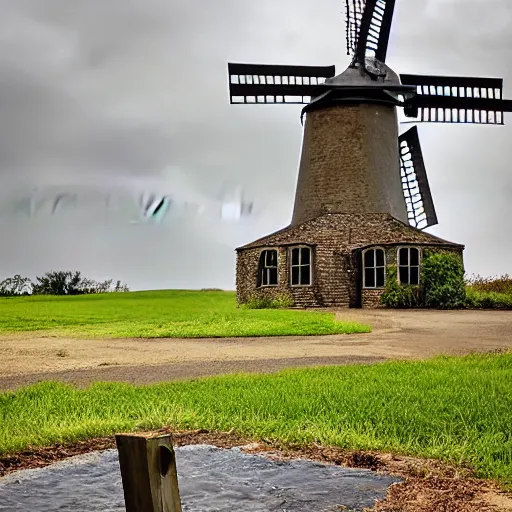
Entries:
{"x":16,"y":285}
{"x":59,"y":283}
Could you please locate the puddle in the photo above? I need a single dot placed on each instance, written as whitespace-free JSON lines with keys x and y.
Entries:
{"x":210,"y":480}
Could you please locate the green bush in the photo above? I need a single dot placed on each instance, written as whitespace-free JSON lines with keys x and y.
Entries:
{"x":397,"y":295}
{"x":442,"y":278}
{"x":278,"y":302}
{"x":476,"y":299}
{"x":442,"y":284}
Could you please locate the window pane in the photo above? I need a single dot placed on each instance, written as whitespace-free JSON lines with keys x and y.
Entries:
{"x":295,"y":256}
{"x":415,"y":275}
{"x":379,"y":257}
{"x":306,"y":253}
{"x":272,"y":279}
{"x":415,"y":256}
{"x":380,"y":277}
{"x":264,"y":277}
{"x":305,"y":275}
{"x":369,"y":258}
{"x":404,"y":275}
{"x":273,"y":258}
{"x":260,"y":277}
{"x":295,"y":275}
{"x":369,"y":278}
{"x":403,"y":256}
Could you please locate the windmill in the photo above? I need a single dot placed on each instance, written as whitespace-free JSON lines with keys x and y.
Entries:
{"x":353,"y":160}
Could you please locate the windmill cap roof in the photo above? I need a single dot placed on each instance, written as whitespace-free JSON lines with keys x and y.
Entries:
{"x":373,"y":74}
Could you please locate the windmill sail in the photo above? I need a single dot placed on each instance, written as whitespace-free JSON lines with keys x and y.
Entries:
{"x":262,"y":83}
{"x":448,"y":99}
{"x":368,"y":28}
{"x":418,"y":198}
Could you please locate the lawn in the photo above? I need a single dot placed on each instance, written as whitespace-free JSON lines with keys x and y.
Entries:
{"x":456,"y":409}
{"x":167,"y":313}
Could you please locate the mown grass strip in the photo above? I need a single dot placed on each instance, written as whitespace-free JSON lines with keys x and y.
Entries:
{"x":456,"y":409}
{"x":167,"y":313}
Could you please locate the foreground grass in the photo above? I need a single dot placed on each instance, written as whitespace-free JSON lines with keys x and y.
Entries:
{"x":167,"y":313}
{"x":456,"y":409}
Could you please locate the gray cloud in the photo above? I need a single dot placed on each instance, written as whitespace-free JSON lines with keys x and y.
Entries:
{"x":128,"y":88}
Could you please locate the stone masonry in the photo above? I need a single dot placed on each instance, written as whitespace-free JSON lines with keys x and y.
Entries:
{"x":350,"y":163}
{"x":337,"y":241}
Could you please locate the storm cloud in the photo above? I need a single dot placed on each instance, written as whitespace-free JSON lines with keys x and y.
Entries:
{"x":127,"y":89}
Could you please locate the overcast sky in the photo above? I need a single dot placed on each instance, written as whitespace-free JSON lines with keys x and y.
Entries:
{"x":121,"y":91}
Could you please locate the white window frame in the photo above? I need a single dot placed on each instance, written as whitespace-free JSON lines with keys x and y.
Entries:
{"x":310,"y":264}
{"x":267,"y":268}
{"x":375,"y":267}
{"x":409,"y":266}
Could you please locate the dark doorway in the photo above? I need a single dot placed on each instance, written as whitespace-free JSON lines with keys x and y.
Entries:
{"x":355,"y":278}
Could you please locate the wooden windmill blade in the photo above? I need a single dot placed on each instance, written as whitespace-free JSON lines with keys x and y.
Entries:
{"x":451,"y":99}
{"x":368,"y":28}
{"x":417,"y":195}
{"x":264,"y":83}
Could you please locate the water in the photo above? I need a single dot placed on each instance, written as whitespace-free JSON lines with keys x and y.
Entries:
{"x":210,"y":480}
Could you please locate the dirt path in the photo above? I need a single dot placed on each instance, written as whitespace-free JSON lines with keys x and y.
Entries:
{"x":28,"y":358}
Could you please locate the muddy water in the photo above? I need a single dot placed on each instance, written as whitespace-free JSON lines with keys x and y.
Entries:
{"x":210,"y":480}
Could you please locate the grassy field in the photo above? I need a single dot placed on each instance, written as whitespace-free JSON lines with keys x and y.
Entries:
{"x":457,"y":409}
{"x":168,"y":313}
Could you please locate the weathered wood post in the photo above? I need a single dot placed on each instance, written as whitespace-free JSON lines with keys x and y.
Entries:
{"x":148,"y":471}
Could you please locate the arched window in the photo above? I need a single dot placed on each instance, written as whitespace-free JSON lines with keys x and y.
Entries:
{"x":409,"y":265}
{"x":300,"y":267}
{"x":374,"y":262}
{"x":268,"y":268}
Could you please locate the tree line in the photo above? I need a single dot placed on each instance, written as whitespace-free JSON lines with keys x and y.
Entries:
{"x":61,"y":282}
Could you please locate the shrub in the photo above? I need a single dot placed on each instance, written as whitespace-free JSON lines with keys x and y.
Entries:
{"x":58,"y":283}
{"x":278,"y":302}
{"x":476,"y":299}
{"x":17,"y":285}
{"x":442,"y":278}
{"x":442,"y":284}
{"x":497,"y":284}
{"x":399,"y":296}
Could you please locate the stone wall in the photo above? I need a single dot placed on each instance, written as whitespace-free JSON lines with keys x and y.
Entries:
{"x":247,"y":273}
{"x":371,"y":298}
{"x":350,"y":163}
{"x":336,"y":241}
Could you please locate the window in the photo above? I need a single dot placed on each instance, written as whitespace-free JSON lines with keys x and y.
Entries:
{"x":267,"y":269}
{"x":409,"y":265}
{"x":301,"y":266}
{"x":374,"y":262}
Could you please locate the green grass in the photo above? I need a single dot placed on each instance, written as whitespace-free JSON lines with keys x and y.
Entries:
{"x":456,"y":409}
{"x":168,"y":313}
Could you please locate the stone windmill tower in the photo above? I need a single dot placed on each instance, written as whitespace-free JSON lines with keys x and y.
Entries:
{"x":362,"y":193}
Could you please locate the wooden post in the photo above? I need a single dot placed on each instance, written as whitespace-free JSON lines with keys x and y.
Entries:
{"x":148,"y":471}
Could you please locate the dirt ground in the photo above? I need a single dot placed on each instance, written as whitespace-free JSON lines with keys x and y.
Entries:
{"x":427,"y":485}
{"x":29,"y":358}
